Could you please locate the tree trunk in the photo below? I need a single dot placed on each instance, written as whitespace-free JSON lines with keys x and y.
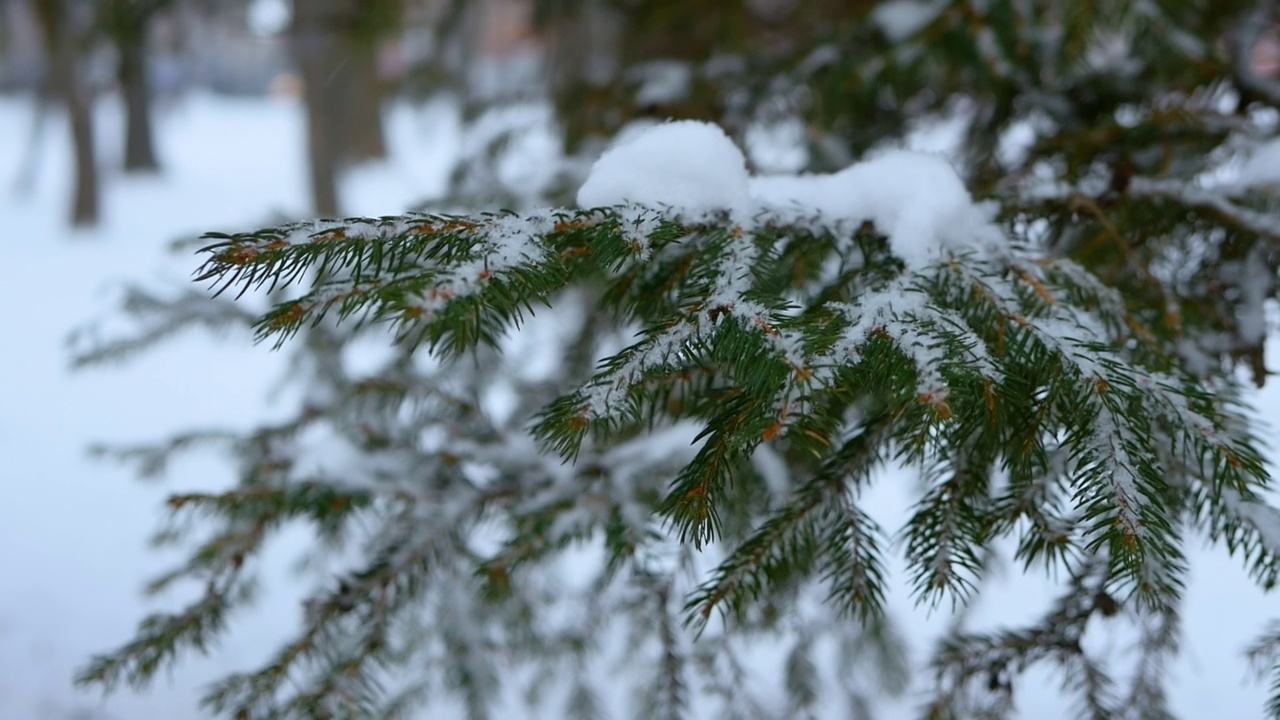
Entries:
{"x":62,"y":39}
{"x":139,"y":140}
{"x":335,"y":45}
{"x":362,"y":106}
{"x":317,"y":51}
{"x":321,"y":150}
{"x":84,"y":205}
{"x":127,"y":22}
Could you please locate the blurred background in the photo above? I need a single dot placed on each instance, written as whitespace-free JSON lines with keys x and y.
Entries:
{"x":127,"y":126}
{"x":558,"y":79}
{"x":344,"y":63}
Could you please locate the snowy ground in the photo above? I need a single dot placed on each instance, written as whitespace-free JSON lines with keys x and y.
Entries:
{"x":73,"y":531}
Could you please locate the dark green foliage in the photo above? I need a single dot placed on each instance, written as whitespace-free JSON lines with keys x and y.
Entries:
{"x":973,"y":366}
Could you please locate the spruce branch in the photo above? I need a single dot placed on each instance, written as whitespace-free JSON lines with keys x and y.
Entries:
{"x":773,"y":357}
{"x":156,"y":319}
{"x":788,"y":542}
{"x":1264,"y":655}
{"x":976,"y":673}
{"x":160,"y":639}
{"x":731,"y":340}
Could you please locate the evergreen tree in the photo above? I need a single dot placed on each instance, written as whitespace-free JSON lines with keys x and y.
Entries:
{"x":697,"y":386}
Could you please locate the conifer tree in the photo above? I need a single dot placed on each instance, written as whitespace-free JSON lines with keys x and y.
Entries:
{"x":689,"y":382}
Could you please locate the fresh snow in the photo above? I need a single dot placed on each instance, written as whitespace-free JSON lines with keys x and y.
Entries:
{"x":777,"y":147}
{"x":686,"y":165}
{"x":916,"y":199}
{"x":1263,"y":165}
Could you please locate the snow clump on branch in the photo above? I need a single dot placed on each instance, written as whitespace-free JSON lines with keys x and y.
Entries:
{"x":687,"y":166}
{"x":692,"y":168}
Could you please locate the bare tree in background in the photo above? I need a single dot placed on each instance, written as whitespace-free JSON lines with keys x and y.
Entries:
{"x":127,"y":23}
{"x":316,"y":25}
{"x":335,"y":44}
{"x":63,"y":29}
{"x":360,"y":83}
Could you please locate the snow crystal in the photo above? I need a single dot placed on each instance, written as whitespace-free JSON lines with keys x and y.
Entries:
{"x":268,"y":17}
{"x":1263,"y":166}
{"x":1015,"y":143}
{"x":686,"y":165}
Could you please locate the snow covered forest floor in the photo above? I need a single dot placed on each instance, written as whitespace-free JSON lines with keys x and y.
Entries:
{"x":73,"y":530}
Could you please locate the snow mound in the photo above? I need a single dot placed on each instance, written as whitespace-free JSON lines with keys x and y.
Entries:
{"x":687,"y":165}
{"x":1263,"y":166}
{"x":916,"y":199}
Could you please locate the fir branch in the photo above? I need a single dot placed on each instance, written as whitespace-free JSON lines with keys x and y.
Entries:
{"x":446,"y":280}
{"x":787,"y":543}
{"x":671,"y":700}
{"x":344,"y":640}
{"x":943,"y":542}
{"x":161,"y":637}
{"x":1264,"y":655}
{"x":801,"y":678}
{"x":1147,"y":698}
{"x":1216,"y":203}
{"x":975,"y":673}
{"x":157,"y":320}
{"x":745,"y":335}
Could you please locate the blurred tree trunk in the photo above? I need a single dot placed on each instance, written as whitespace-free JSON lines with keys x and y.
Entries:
{"x":63,"y":38}
{"x":335,"y":44}
{"x":362,"y":108}
{"x":139,"y":140}
{"x":128,"y":22}
{"x":372,"y":22}
{"x":317,"y":50}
